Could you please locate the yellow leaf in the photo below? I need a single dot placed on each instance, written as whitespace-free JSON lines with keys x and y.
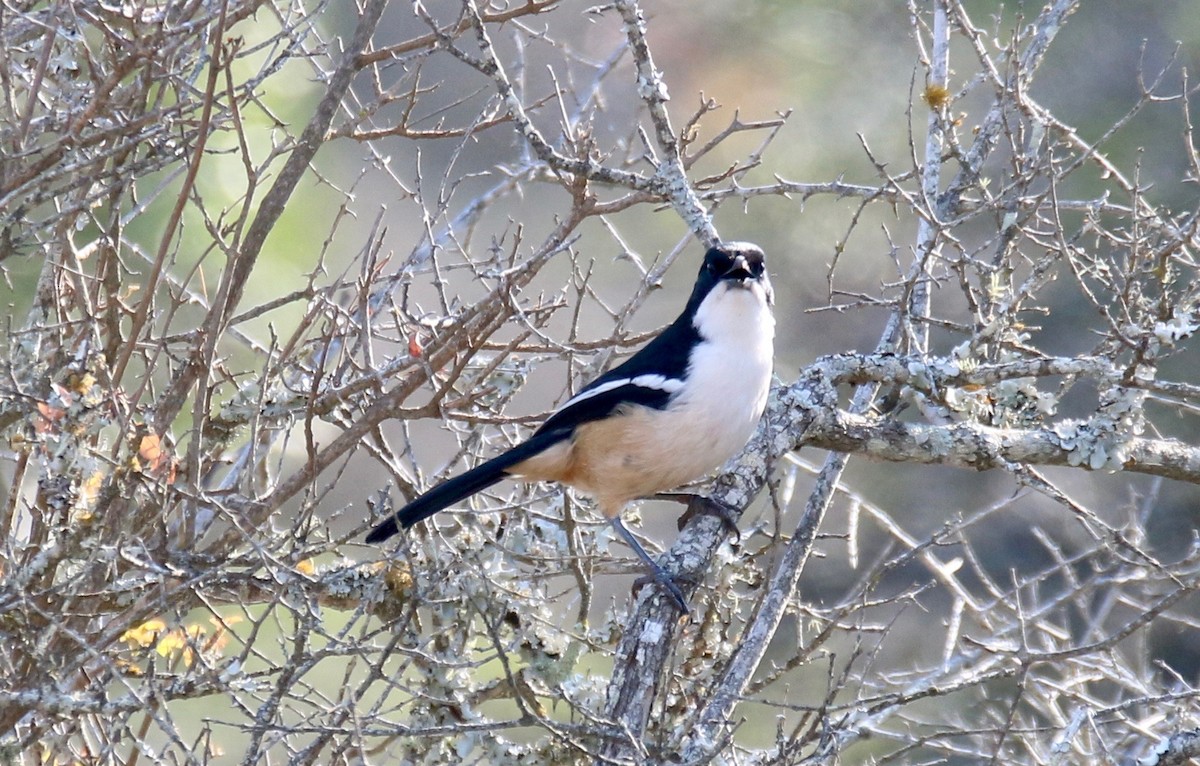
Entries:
{"x":936,"y":96}
{"x":220,"y":636}
{"x":144,"y":634}
{"x":89,"y":490}
{"x":83,"y":383}
{"x":171,"y":642}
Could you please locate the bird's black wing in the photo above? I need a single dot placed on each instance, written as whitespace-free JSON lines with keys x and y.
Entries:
{"x":650,"y":377}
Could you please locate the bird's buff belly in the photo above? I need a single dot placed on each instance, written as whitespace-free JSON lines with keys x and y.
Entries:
{"x":641,"y":452}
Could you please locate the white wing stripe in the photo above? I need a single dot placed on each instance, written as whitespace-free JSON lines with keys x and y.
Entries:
{"x":661,"y":382}
{"x":656,"y":382}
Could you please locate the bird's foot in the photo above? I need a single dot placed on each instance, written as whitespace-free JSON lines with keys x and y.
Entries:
{"x":657,"y":573}
{"x":659,"y":576}
{"x":699,"y":505}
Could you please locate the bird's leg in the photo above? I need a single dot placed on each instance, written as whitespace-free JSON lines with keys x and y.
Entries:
{"x":706,"y":506}
{"x":656,"y":572}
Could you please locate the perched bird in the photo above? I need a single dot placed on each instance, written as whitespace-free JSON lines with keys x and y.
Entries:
{"x":674,"y":411}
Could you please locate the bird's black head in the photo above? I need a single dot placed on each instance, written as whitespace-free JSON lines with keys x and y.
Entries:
{"x":738,"y":264}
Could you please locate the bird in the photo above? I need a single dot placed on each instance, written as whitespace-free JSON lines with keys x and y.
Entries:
{"x":671,"y":413}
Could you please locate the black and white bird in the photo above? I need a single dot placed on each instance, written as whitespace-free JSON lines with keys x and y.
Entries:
{"x":671,"y":413}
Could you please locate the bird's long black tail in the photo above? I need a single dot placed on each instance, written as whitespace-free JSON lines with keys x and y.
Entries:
{"x":462,"y":486}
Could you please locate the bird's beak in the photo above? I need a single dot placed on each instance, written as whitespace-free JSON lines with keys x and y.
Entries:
{"x":740,"y":270}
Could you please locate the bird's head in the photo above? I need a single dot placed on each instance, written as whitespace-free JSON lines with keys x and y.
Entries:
{"x":733,"y":266}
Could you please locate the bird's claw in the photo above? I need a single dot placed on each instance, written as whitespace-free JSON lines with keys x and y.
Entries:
{"x":659,"y":577}
{"x":657,"y":573}
{"x":699,"y":505}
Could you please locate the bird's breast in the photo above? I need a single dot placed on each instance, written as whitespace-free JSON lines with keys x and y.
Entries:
{"x":729,"y":376}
